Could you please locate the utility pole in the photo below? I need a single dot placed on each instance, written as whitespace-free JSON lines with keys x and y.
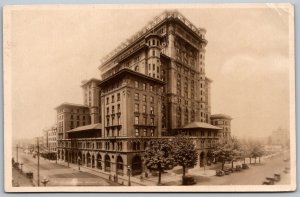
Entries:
{"x":38,"y":154}
{"x":17,"y":153}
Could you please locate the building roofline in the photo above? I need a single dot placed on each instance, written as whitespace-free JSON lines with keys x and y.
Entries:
{"x":71,"y":104}
{"x":208,"y":79}
{"x":131,"y":72}
{"x":154,"y":23}
{"x":224,"y":116}
{"x":84,"y":82}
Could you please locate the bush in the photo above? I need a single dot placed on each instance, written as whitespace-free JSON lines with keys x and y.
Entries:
{"x":188,"y":180}
{"x":16,"y":165}
{"x":29,"y":175}
{"x":238,"y":168}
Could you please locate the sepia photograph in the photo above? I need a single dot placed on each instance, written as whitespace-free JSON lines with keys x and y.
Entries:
{"x":149,"y":98}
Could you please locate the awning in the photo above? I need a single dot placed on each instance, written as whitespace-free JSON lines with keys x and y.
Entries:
{"x":195,"y":125}
{"x":86,"y":127}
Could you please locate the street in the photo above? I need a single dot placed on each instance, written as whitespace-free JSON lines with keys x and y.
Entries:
{"x":61,"y":175}
{"x":255,"y":175}
{"x":58,"y":175}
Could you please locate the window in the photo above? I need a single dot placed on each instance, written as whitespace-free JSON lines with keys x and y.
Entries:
{"x":113,"y":109}
{"x":119,"y":108}
{"x":157,"y":69}
{"x":151,"y":110}
{"x":136,"y":120}
{"x":112,"y":98}
{"x":144,"y":98}
{"x":202,"y":133}
{"x":136,"y":84}
{"x":118,"y":97}
{"x":107,"y":100}
{"x":152,"y":132}
{"x":151,"y":87}
{"x":119,"y":120}
{"x":136,"y":107}
{"x":153,"y":42}
{"x":107,"y":121}
{"x":153,"y":67}
{"x":136,"y":96}
{"x":107,"y":110}
{"x":152,"y":121}
{"x":144,"y":109}
{"x":145,"y":121}
{"x":145,"y":132}
{"x":151,"y":99}
{"x":153,"y":75}
{"x":137,"y":132}
{"x":144,"y":86}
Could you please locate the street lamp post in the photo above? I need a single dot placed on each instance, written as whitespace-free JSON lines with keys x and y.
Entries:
{"x":129,"y":172}
{"x":17,"y":153}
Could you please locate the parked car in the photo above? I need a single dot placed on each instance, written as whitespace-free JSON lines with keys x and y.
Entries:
{"x":245,"y":166}
{"x":220,"y":173}
{"x":188,"y":180}
{"x":227,"y":171}
{"x":238,"y":168}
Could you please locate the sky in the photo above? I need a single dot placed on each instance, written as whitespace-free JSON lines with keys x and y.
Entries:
{"x":53,"y":50}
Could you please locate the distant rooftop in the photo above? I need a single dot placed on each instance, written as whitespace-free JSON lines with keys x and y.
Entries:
{"x":194,"y":125}
{"x":84,"y":82}
{"x":86,"y":128}
{"x":71,"y":105}
{"x":222,"y":116}
{"x":131,"y":72}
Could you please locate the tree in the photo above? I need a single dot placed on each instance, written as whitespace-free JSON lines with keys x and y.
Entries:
{"x":256,"y":151}
{"x":184,"y":152}
{"x":227,"y":150}
{"x":158,"y":157}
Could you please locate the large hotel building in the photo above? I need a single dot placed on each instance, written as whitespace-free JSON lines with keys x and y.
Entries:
{"x":152,"y":86}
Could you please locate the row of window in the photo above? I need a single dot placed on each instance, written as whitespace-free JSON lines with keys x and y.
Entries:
{"x":137,"y":121}
{"x":144,"y":98}
{"x":144,"y":110}
{"x":112,"y":123}
{"x":143,"y":86}
{"x":113,"y":98}
{"x":118,"y":110}
{"x":144,"y":132}
{"x":78,"y":117}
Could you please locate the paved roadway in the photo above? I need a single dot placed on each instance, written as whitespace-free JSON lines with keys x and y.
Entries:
{"x":255,"y":175}
{"x":60,"y":175}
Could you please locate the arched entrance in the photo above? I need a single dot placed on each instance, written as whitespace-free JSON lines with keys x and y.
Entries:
{"x":136,"y":165}
{"x":93,"y":161}
{"x":120,"y":168}
{"x":201,"y":159}
{"x":88,"y":160}
{"x":99,"y":161}
{"x":83,"y":159}
{"x":107,"y":163}
{"x":80,"y":156}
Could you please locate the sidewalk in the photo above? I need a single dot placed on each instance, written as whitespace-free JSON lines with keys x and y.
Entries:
{"x":20,"y":179}
{"x":122,"y":180}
